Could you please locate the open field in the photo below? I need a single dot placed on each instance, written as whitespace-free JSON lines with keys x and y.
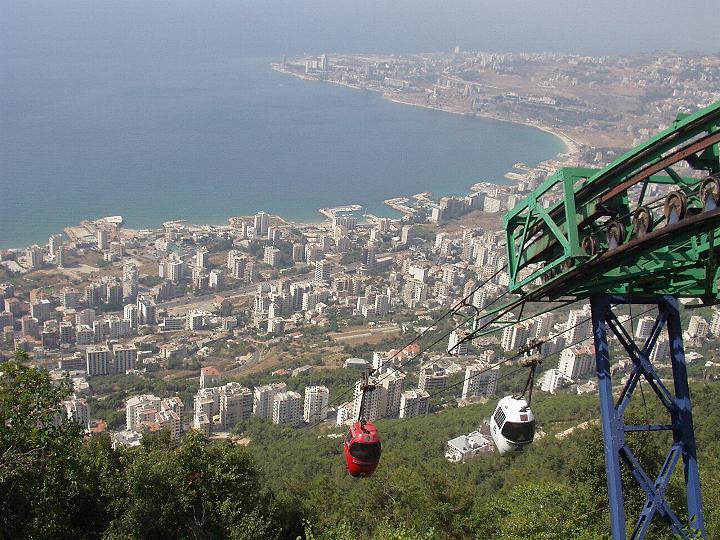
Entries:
{"x":365,"y":334}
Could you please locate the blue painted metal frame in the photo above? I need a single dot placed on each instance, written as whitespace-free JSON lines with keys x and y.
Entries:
{"x":677,"y":405}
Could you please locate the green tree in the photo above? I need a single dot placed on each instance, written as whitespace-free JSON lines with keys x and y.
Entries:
{"x":42,"y":487}
{"x":208,"y":491}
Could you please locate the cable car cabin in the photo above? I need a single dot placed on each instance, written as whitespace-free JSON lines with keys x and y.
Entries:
{"x":512,"y":425}
{"x":362,"y":449}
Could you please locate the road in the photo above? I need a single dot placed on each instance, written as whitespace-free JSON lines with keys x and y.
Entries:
{"x":244,"y":290}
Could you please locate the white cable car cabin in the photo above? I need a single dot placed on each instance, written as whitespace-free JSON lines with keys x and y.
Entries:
{"x":512,"y":425}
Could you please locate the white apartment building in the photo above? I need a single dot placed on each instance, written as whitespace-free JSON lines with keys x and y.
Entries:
{"x":195,"y":320}
{"x":543,"y":325}
{"x":202,"y":258}
{"x":271,"y":256}
{"x":515,"y":336}
{"x":433,"y":378}
{"x":170,"y":420}
{"x":125,"y":357}
{"x":576,"y":362}
{"x":661,"y":351}
{"x":414,"y":403}
{"x":264,"y":398}
{"x":373,"y":402}
{"x":209,"y":377}
{"x":147,"y":309}
{"x":456,"y":345}
{"x":134,"y":407}
{"x":287,"y":408}
{"x":464,"y":447}
{"x":480,"y":380}
{"x":345,"y":413}
{"x":235,"y":404}
{"x":261,"y":222}
{"x":97,"y":360}
{"x":313,"y":252}
{"x":150,"y":412}
{"x":102,"y":239}
{"x":552,"y":380}
{"x":130,"y":312}
{"x":579,"y":325}
{"x":697,"y":327}
{"x":382,"y":305}
{"x":644,"y":327}
{"x":391,"y":386}
{"x":322,"y":272}
{"x":216,"y":279}
{"x":206,"y":409}
{"x":78,"y":411}
{"x":715,"y":323}
{"x":316,"y":404}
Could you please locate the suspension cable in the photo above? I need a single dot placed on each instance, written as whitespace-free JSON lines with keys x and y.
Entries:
{"x":452,"y":311}
{"x":514,"y":357}
{"x":422,"y":351}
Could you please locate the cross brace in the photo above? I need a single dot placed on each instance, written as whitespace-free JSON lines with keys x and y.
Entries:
{"x":678,"y":406}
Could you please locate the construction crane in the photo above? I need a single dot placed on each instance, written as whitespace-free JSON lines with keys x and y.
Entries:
{"x":593,"y":234}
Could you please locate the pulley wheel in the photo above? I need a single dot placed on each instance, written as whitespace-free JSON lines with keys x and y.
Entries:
{"x":642,"y":221}
{"x":615,"y":234}
{"x":710,"y":193}
{"x":590,"y":245}
{"x":675,"y":207}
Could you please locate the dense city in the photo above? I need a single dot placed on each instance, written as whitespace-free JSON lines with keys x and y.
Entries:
{"x":303,"y":310}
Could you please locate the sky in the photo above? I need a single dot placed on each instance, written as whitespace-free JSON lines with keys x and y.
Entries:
{"x":273,"y":27}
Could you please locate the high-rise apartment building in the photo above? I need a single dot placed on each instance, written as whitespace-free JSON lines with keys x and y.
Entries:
{"x":316,"y":404}
{"x":103,"y":240}
{"x":480,"y":380}
{"x":263,"y":399}
{"x":125,"y":357}
{"x":146,"y":310}
{"x":235,"y":404}
{"x":576,"y":362}
{"x":322,"y":272}
{"x":262,"y":222}
{"x":98,"y":360}
{"x":287,"y":408}
{"x":414,"y":403}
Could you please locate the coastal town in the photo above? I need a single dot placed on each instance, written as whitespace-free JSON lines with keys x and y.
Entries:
{"x":598,"y":105}
{"x":206,"y":327}
{"x":268,"y":319}
{"x":339,"y":270}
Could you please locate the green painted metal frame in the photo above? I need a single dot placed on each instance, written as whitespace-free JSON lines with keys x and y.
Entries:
{"x":544,"y":240}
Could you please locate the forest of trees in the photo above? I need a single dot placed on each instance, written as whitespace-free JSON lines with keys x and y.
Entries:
{"x":291,"y":483}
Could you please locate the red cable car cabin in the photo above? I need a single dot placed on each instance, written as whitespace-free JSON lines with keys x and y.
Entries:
{"x":362,"y":449}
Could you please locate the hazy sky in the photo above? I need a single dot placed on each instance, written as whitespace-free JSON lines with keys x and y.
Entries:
{"x":269,"y":27}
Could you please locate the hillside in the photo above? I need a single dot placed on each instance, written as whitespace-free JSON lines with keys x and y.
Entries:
{"x":291,"y":483}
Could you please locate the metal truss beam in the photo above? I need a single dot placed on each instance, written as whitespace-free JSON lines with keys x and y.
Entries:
{"x":677,"y":404}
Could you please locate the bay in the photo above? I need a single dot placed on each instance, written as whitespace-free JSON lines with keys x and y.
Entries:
{"x":207,"y":138}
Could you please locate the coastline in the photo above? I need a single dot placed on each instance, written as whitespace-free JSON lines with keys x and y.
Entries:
{"x":317,"y":219}
{"x":571,"y":146}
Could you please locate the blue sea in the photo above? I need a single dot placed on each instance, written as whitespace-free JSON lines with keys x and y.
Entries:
{"x":164,"y":116}
{"x":205,"y":141}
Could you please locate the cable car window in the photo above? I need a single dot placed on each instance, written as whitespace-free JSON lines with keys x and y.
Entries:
{"x":520,"y":432}
{"x":499,"y":417}
{"x":348,"y":437}
{"x":365,"y":452}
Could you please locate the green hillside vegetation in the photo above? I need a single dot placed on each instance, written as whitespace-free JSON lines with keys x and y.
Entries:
{"x":291,"y":483}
